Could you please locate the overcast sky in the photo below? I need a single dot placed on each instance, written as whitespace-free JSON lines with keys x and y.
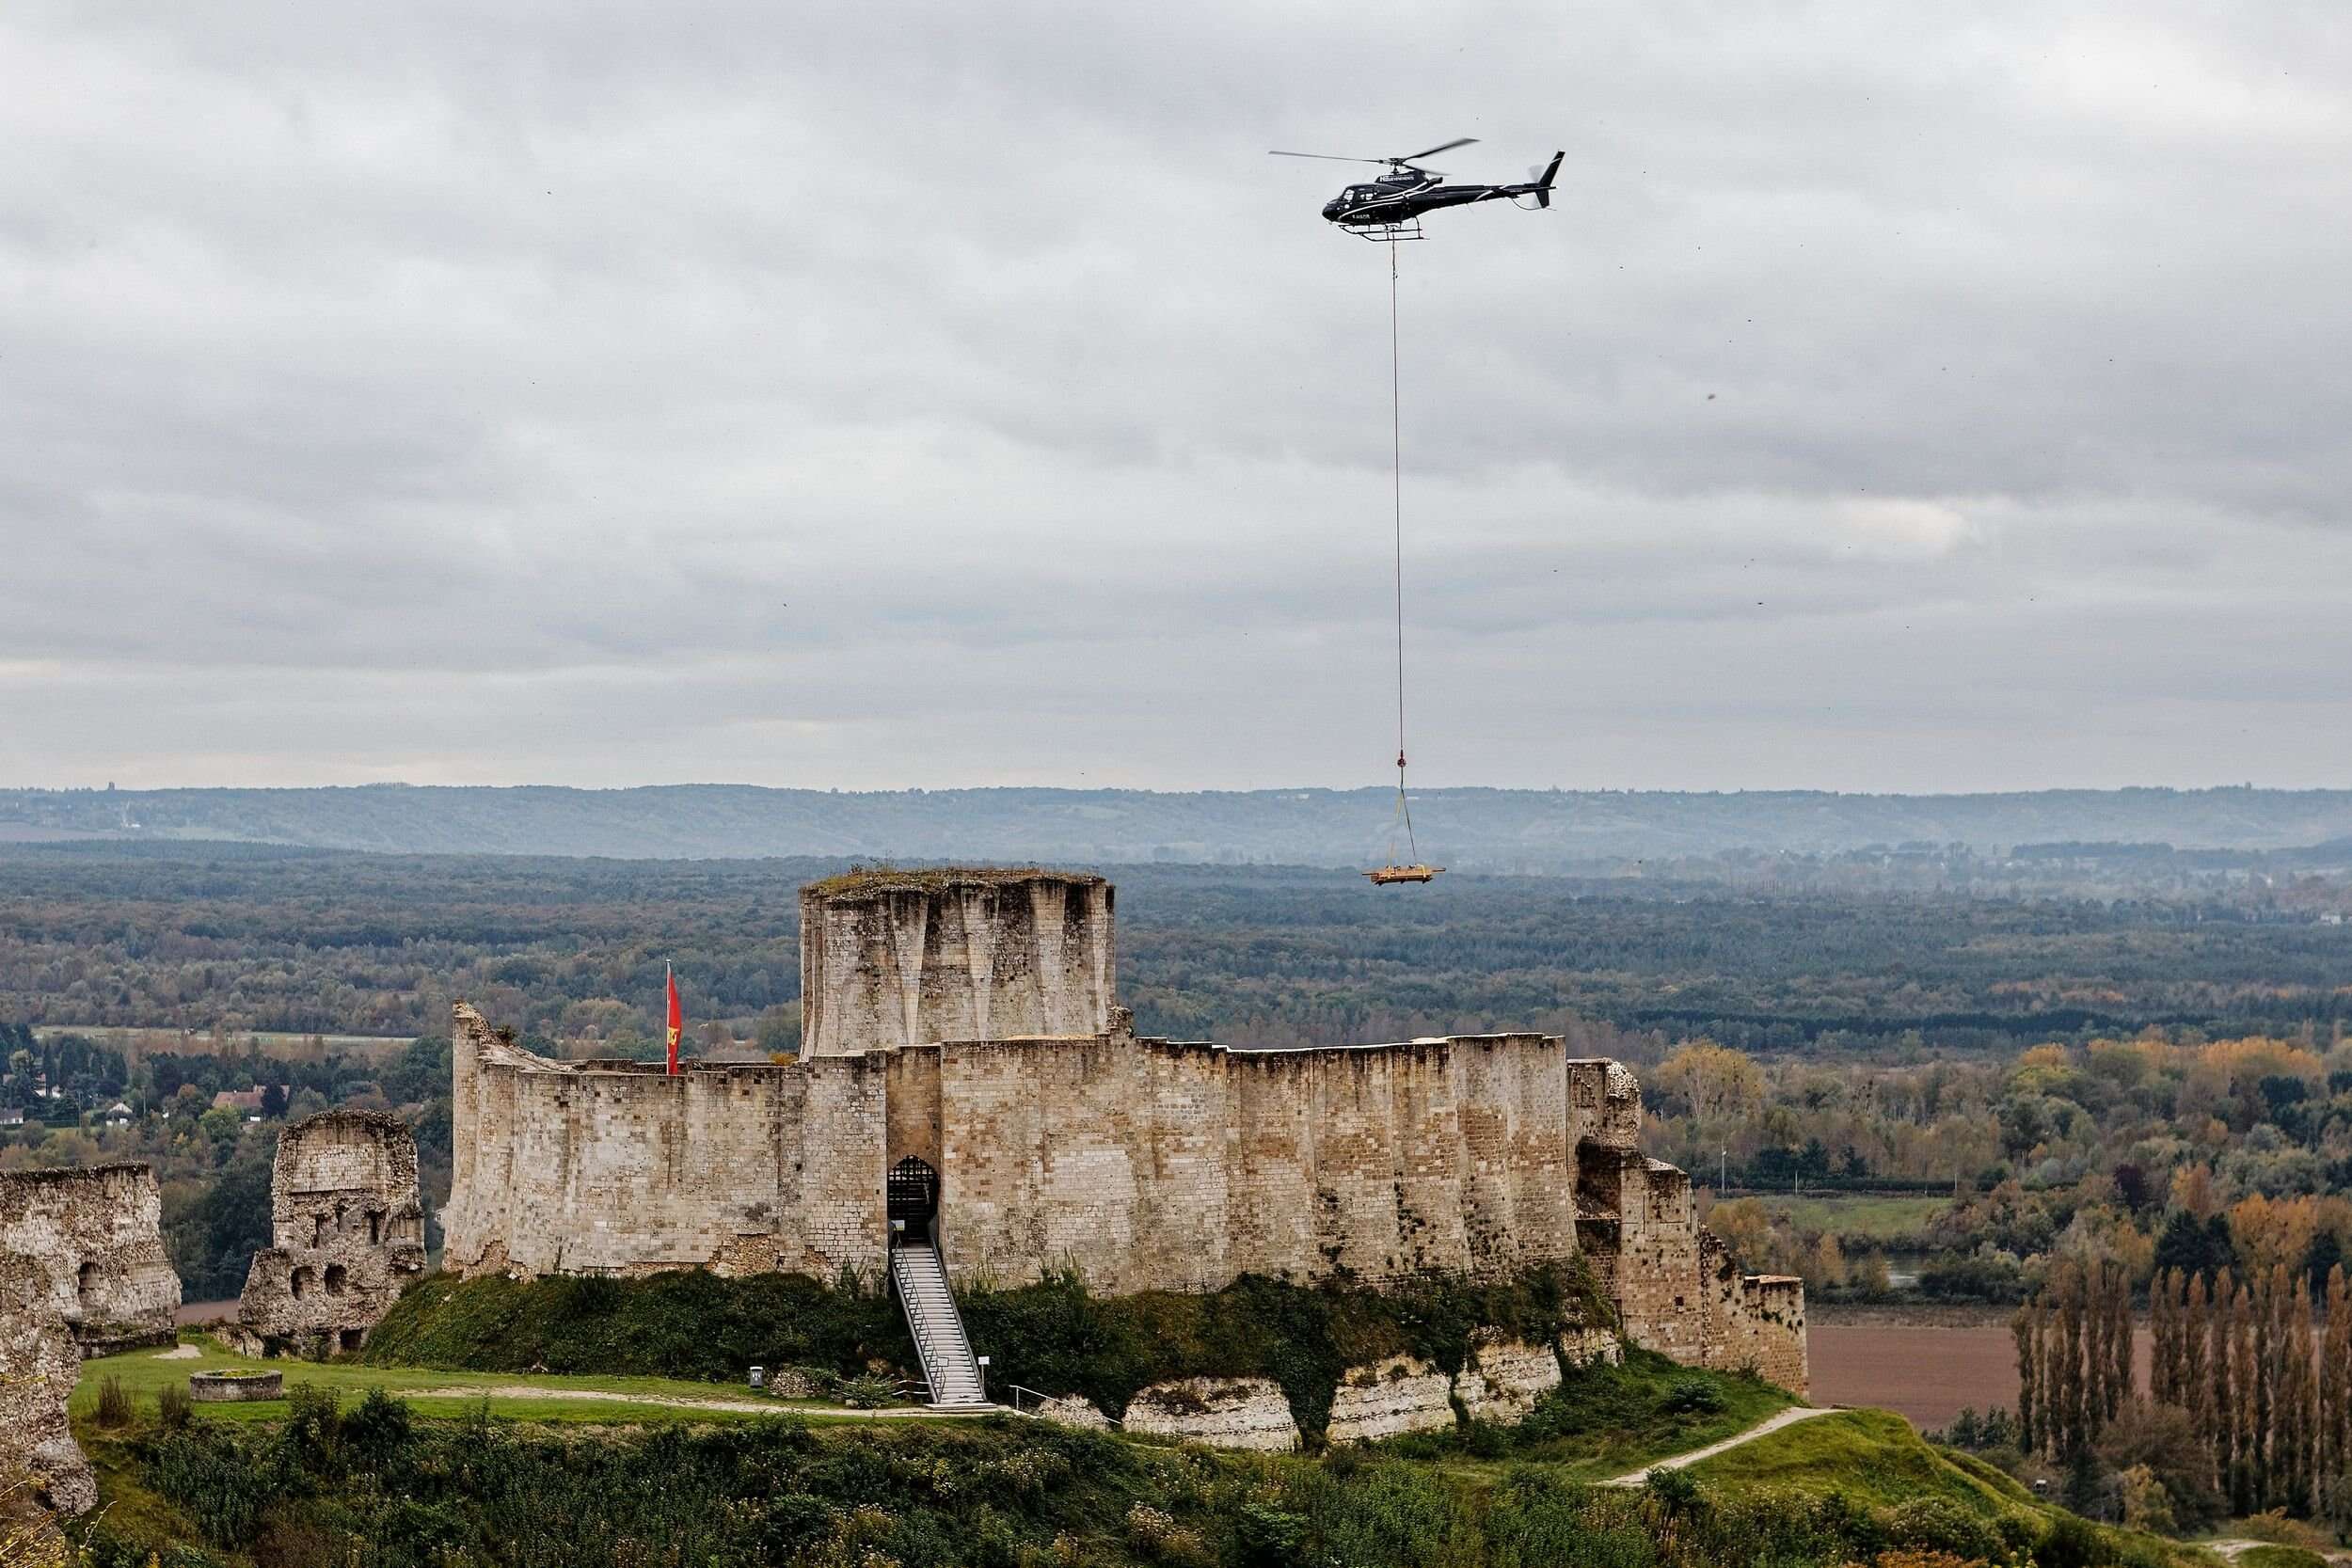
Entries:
{"x":871,"y":395}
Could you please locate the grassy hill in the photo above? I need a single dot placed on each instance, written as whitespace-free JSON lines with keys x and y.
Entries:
{"x":327,"y":1482}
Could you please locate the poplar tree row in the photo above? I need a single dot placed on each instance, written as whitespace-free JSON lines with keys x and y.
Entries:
{"x":2074,"y":1357}
{"x":2240,"y":1357}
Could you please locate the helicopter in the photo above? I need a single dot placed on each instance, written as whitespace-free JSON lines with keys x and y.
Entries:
{"x":1390,"y":208}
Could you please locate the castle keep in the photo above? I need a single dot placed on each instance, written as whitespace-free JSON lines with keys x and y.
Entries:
{"x":969,"y":1086}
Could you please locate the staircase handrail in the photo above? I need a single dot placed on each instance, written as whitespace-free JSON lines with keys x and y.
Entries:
{"x":924,"y":1348}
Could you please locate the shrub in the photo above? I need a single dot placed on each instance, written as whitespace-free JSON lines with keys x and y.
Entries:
{"x":172,"y":1407}
{"x":1673,"y":1492}
{"x":377,"y":1432}
{"x":1268,"y":1537}
{"x":1691,"y":1396}
{"x":212,"y":1479}
{"x":2069,"y":1543}
{"x":1931,"y":1525}
{"x":113,"y":1406}
{"x":1157,"y":1536}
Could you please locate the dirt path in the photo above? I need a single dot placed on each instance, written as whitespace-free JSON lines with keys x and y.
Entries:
{"x":2230,"y":1551}
{"x":736,"y":1407}
{"x":1764,"y":1428}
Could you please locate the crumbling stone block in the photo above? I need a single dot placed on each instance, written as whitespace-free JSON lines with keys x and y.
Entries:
{"x":94,"y":1237}
{"x":1072,"y":1410}
{"x":1388,"y":1399}
{"x":1504,"y":1378}
{"x":347,"y":1229}
{"x":1222,"y":1411}
{"x":1591,"y":1346}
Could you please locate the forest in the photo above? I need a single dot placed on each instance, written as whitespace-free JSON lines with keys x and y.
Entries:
{"x":1894,"y":1095}
{"x":248,"y":938}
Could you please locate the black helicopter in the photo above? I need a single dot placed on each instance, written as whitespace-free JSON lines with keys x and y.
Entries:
{"x":1390,"y":208}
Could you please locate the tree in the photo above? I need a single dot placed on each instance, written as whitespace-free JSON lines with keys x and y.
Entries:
{"x":273,"y":1101}
{"x":2025,"y":1327}
{"x":2164,"y":1440}
{"x":2194,"y":1246}
{"x":2334,"y":1416}
{"x":2196,"y":1378}
{"x":2297,"y":1419}
{"x":1715,"y":1086}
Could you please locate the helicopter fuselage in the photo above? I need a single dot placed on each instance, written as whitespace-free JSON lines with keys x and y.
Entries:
{"x":1383,"y":203}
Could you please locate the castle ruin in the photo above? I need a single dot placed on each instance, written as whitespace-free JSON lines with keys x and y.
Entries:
{"x":968,"y":1082}
{"x":82,"y":1269}
{"x":346,"y":1233}
{"x":94,"y":1238}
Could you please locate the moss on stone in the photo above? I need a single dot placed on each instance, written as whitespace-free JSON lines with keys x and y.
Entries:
{"x":869,"y":881}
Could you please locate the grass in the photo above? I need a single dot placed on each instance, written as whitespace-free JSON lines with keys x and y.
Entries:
{"x":2279,"y":1557}
{"x":1052,"y":1336}
{"x":1606,"y":1422}
{"x":143,"y":1374}
{"x":1875,"y":1458}
{"x":296,"y":1485}
{"x":684,"y":1324}
{"x":1872,"y":1220}
{"x":1871,"y":1455}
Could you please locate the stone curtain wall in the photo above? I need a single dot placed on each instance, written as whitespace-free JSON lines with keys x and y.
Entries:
{"x":1108,"y":1155}
{"x":621,"y":1169}
{"x":1150,"y":1166}
{"x":347,"y":1226}
{"x":967,"y":1019}
{"x":1753,"y":1320}
{"x":94,"y":1236}
{"x":897,"y":959}
{"x":1140,"y":1163}
{"x":1677,"y":1289}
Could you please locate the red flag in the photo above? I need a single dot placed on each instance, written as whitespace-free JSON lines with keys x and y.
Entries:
{"x":677,"y":1017}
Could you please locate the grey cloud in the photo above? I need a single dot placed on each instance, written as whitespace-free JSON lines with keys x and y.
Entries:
{"x":864,"y":395}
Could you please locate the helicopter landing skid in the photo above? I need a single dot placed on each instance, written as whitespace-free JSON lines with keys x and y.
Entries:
{"x":1390,"y":233}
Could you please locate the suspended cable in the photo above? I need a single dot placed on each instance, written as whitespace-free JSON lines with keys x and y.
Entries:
{"x":1396,"y":507}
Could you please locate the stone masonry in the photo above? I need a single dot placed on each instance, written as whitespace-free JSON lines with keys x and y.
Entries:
{"x":39,"y":1362}
{"x":346,"y":1231}
{"x":968,"y":1021}
{"x":93,"y":1237}
{"x":910,"y":958}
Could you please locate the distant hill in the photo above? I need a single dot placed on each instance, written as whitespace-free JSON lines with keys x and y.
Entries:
{"x":1493,"y":830}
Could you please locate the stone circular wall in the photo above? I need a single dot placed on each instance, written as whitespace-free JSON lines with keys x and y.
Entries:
{"x":226,"y":1388}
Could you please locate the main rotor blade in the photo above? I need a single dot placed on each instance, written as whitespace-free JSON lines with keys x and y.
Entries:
{"x":1431,"y":152}
{"x":1327,"y":157}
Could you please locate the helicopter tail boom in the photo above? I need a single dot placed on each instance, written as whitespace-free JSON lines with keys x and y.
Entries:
{"x":1542,"y":191}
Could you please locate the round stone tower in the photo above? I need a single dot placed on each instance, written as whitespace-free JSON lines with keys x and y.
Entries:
{"x":910,"y":958}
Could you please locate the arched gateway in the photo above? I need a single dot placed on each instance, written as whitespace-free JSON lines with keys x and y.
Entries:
{"x":910,"y":1197}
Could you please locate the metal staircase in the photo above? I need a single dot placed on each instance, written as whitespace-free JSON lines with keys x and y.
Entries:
{"x":948,"y":1367}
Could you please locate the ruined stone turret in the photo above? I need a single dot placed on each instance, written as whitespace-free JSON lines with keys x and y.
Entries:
{"x":95,"y":1236}
{"x":913,"y":958}
{"x":346,"y":1228}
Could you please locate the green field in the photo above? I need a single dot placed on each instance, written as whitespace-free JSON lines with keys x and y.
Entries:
{"x":1856,"y":1217}
{"x":144,"y":1373}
